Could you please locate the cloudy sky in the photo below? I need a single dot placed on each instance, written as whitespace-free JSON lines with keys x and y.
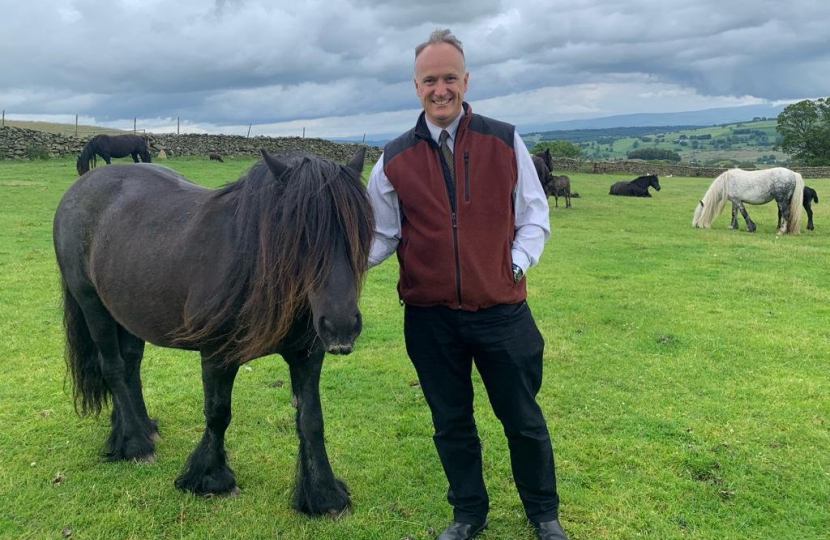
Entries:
{"x":344,"y":67}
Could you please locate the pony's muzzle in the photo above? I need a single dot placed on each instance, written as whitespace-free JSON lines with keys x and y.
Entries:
{"x":338,"y":336}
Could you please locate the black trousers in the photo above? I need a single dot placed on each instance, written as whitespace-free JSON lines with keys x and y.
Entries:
{"x":507,"y":349}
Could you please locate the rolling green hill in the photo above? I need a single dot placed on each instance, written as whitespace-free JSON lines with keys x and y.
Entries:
{"x":729,"y":144}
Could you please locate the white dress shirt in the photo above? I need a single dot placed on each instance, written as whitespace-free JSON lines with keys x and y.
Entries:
{"x":530,"y":207}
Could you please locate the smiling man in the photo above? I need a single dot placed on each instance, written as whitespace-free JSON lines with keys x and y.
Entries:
{"x":458,"y":198}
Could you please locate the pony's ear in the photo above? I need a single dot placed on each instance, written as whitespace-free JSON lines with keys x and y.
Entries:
{"x":356,"y":163}
{"x":701,"y":204}
{"x":277,"y":167}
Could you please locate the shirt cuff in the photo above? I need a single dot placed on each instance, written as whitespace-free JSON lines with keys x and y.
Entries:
{"x":520,"y":259}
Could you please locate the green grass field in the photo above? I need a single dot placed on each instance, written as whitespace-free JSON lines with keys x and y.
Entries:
{"x":686,"y":378}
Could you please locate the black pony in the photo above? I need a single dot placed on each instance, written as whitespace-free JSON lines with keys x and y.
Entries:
{"x":542,"y":170}
{"x":113,"y":146}
{"x":270,"y":263}
{"x":810,"y":196}
{"x":637,"y":187}
{"x":558,"y":186}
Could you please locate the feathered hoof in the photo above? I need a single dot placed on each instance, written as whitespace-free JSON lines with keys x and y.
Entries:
{"x":333,"y":502}
{"x":217,"y":482}
{"x":149,"y":458}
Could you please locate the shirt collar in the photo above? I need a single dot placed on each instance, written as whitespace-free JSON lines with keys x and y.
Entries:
{"x":435,"y":131}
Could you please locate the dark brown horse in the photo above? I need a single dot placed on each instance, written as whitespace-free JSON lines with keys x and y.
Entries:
{"x":271,"y":263}
{"x":558,"y":186}
{"x":113,"y":146}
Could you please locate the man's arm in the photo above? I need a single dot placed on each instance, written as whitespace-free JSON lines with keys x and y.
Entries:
{"x":387,"y":215}
{"x":531,"y":210}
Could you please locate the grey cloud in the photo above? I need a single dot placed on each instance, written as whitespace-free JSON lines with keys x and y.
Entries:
{"x":242,"y":61}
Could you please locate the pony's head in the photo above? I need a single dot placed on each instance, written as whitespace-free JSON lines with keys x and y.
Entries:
{"x":654,"y":182}
{"x":545,"y":156}
{"x":328,"y":215}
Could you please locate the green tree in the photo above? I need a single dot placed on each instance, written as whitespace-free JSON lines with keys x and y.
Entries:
{"x":654,"y":154}
{"x":559,"y":149}
{"x":805,"y":131}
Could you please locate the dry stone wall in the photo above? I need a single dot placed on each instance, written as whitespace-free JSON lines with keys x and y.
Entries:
{"x":640,"y":167}
{"x":20,"y":143}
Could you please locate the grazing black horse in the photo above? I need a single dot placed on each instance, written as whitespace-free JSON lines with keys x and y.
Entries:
{"x":113,"y":146}
{"x":810,"y":196}
{"x":215,"y":157}
{"x":637,"y":187}
{"x":270,"y":263}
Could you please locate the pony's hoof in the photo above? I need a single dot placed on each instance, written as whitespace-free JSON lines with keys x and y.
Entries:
{"x":337,"y":514}
{"x":232,"y":493}
{"x":148,"y":458}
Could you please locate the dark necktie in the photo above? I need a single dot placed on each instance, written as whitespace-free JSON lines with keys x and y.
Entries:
{"x":445,"y":149}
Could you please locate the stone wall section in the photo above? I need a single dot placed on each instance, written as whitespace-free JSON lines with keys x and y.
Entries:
{"x":20,"y":143}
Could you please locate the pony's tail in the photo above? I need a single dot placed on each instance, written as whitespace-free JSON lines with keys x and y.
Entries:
{"x":89,"y":391}
{"x":815,"y":197}
{"x":794,"y":223}
{"x":87,"y":155}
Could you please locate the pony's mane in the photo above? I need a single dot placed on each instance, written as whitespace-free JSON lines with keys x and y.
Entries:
{"x":287,"y":231}
{"x":712,"y":202}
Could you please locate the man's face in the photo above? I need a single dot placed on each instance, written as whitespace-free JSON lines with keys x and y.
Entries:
{"x":440,"y":82}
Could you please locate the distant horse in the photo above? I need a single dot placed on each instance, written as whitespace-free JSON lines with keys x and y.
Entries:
{"x":215,"y":157}
{"x":809,"y":195}
{"x":558,"y":186}
{"x":542,"y":171}
{"x":113,"y":146}
{"x":637,"y":187}
{"x":754,"y":187}
{"x":270,"y":263}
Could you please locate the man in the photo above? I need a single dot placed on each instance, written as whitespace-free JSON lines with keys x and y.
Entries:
{"x":458,"y":198}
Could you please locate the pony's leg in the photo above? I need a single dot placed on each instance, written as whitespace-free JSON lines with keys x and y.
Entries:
{"x":316,"y":490}
{"x":132,"y":351}
{"x":129,"y":437}
{"x":809,"y":210}
{"x":783,"y":215}
{"x":135,"y":157}
{"x":734,"y":223}
{"x":107,"y":157}
{"x":750,"y":225}
{"x":567,"y":198}
{"x":206,"y":471}
{"x":556,"y":198}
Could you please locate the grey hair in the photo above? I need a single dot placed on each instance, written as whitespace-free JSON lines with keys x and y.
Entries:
{"x":442,"y":35}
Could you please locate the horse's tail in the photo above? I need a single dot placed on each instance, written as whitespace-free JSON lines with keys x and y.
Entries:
{"x":794,"y":223}
{"x":712,"y":203}
{"x":87,"y":155}
{"x":815,"y":196}
{"x":89,"y":391}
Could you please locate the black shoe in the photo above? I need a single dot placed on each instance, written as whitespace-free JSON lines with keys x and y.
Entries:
{"x":550,"y":530}
{"x":461,"y":531}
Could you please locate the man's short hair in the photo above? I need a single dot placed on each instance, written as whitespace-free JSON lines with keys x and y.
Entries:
{"x":442,"y":35}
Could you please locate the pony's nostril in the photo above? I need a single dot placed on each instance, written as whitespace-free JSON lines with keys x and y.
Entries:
{"x":327,"y":326}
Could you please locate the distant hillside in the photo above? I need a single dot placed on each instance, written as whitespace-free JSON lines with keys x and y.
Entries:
{"x":707,"y":117}
{"x":62,"y":129}
{"x":742,"y":143}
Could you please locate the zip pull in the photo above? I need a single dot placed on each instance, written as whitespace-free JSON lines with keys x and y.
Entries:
{"x":454,"y":222}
